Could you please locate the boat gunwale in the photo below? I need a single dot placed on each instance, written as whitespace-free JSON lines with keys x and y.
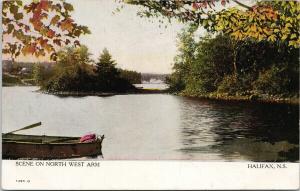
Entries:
{"x":42,"y":136}
{"x":98,"y":140}
{"x":47,"y":143}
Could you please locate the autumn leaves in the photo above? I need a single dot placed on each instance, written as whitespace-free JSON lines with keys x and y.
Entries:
{"x":273,"y":21}
{"x":38,"y":28}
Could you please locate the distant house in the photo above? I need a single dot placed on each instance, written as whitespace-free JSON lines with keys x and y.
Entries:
{"x":25,"y":70}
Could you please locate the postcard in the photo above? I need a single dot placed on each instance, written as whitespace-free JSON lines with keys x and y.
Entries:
{"x":158,"y":94}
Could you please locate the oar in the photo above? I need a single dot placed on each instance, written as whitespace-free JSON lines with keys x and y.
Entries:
{"x":27,"y":127}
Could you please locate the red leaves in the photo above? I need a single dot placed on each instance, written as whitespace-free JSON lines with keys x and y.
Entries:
{"x":36,"y":14}
{"x":44,"y":4}
{"x":195,"y":6}
{"x":26,"y":28}
{"x":54,"y":20}
{"x":29,"y":8}
{"x":223,"y":2}
{"x":29,"y":49}
{"x":37,"y":25}
{"x":49,"y":48}
{"x":57,"y":41}
{"x":198,"y":5}
{"x":36,"y":19}
{"x":67,"y":25}
{"x":42,"y":42}
{"x":50,"y":33}
{"x":206,"y":3}
{"x":42,"y":34}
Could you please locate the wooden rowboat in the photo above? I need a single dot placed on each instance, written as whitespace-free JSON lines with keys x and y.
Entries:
{"x":16,"y":146}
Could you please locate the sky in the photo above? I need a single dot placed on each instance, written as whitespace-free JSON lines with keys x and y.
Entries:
{"x":135,"y":43}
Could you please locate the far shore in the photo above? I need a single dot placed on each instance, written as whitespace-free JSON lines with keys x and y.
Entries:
{"x":254,"y":99}
{"x":221,"y":97}
{"x":104,"y":94}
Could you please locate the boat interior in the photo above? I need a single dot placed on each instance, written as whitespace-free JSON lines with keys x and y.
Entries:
{"x":38,"y":138}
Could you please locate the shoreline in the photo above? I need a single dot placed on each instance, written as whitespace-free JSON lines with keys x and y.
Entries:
{"x":267,"y":99}
{"x":102,"y":94}
{"x":249,"y":99}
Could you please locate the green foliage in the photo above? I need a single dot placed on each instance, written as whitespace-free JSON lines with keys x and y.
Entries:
{"x":221,"y":65}
{"x":230,"y":84}
{"x":11,"y":80}
{"x":132,"y":76}
{"x":40,"y":74}
{"x":268,"y":20}
{"x":200,"y":66}
{"x":74,"y":72}
{"x":73,"y":78}
{"x":214,"y":60}
{"x":108,"y":76}
{"x":274,"y":81}
{"x":106,"y":70}
{"x":183,"y":61}
{"x":175,"y":82}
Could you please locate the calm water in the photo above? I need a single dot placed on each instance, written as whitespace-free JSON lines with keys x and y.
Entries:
{"x":161,"y":126}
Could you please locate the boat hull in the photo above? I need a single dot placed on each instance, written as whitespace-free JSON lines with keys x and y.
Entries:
{"x":46,"y":149}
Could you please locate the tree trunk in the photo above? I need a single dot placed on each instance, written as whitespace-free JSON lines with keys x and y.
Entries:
{"x":235,"y":52}
{"x":234,"y":63}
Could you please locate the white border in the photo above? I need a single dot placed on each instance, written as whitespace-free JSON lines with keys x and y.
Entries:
{"x":188,"y":175}
{"x":148,"y":174}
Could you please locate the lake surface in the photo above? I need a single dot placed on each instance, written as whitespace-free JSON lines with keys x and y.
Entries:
{"x":161,"y":126}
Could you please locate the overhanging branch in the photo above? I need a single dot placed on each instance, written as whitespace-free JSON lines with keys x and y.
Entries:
{"x":241,"y":4}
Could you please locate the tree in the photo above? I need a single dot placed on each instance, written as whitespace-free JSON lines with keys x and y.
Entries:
{"x":108,"y":77}
{"x":106,"y":70}
{"x":38,"y":73}
{"x":75,"y":71}
{"x":211,"y":65}
{"x":38,"y":28}
{"x":132,"y":76}
{"x":200,"y":66}
{"x":271,"y":21}
{"x":72,"y":71}
{"x":185,"y":58}
{"x":74,"y":55}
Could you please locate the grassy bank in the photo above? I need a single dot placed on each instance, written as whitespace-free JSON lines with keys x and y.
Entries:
{"x":13,"y":80}
{"x":263,"y":98}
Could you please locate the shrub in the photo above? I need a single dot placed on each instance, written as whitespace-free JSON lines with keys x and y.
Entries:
{"x":274,"y":80}
{"x":7,"y":79}
{"x":229,"y":84}
{"x":175,"y":82}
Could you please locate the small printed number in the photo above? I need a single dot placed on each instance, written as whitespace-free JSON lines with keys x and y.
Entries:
{"x":22,"y":181}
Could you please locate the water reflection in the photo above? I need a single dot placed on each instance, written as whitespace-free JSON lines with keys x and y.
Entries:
{"x":239,"y":131}
{"x":160,"y":126}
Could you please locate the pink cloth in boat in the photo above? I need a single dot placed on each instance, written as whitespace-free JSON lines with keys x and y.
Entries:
{"x":88,"y":138}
